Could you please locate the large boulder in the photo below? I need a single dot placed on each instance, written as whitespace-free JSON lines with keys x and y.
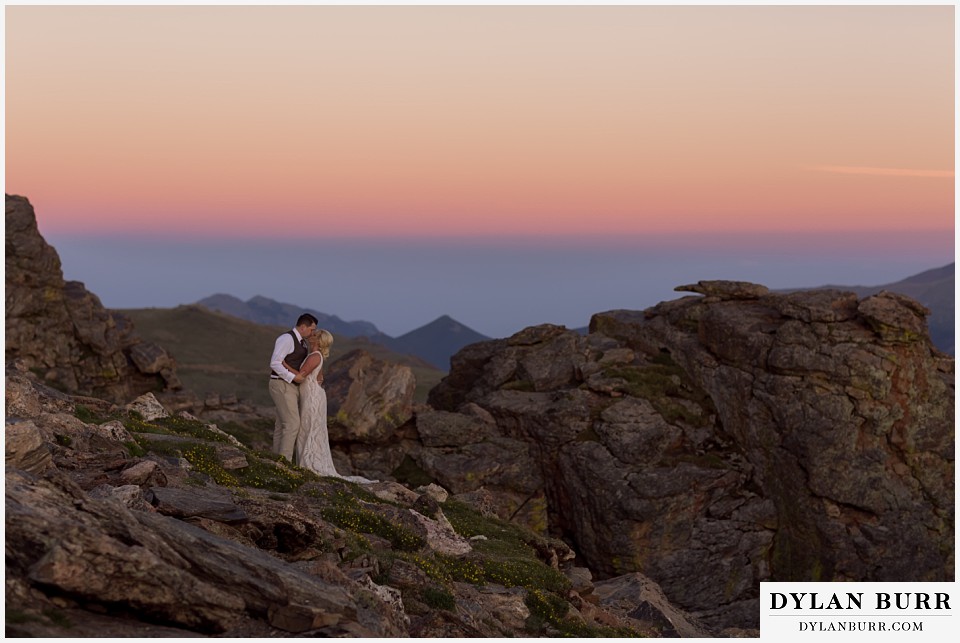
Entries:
{"x":715,"y":441}
{"x":367,"y":397}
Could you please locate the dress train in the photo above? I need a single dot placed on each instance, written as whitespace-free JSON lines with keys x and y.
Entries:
{"x":313,"y":442}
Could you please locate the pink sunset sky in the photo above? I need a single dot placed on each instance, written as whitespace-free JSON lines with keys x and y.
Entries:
{"x":505,"y":165}
{"x":437,"y":121}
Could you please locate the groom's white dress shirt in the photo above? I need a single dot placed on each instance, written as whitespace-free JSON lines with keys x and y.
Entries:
{"x":281,"y":349}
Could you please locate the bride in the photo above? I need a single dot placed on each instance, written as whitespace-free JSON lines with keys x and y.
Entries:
{"x":313,"y":443}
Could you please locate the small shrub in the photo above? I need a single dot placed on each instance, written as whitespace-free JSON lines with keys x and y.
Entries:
{"x":63,"y":440}
{"x":439,"y":599}
{"x":546,"y":606}
{"x":84,"y":414}
{"x":134,"y":449}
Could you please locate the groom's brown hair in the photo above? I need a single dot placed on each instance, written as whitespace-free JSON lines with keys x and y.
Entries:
{"x":306,"y":319}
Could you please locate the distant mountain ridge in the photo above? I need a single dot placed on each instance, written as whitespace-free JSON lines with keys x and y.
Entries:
{"x":263,"y":310}
{"x":435,"y":342}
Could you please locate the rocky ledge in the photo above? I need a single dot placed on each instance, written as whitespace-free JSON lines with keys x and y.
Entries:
{"x":130,"y":521}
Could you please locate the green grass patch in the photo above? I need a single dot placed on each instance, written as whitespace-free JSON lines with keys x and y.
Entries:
{"x":347,"y":506}
{"x":19,"y":617}
{"x":58,"y":618}
{"x":251,"y":433}
{"x":265,"y":470}
{"x":173,"y":426}
{"x":85,"y":414}
{"x":548,"y":609}
{"x":438,"y":599}
{"x":360,"y":520}
{"x":663,"y":383}
{"x":134,"y":449}
{"x":506,"y":557}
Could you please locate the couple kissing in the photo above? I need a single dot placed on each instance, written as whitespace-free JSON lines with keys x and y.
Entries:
{"x":296,"y":388}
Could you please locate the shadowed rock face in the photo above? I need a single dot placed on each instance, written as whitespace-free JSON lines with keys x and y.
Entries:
{"x":717,"y":441}
{"x":62,"y":332}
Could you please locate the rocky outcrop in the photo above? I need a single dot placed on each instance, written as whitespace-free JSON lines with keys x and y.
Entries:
{"x":369,"y":402}
{"x":714,"y":442}
{"x":62,"y":332}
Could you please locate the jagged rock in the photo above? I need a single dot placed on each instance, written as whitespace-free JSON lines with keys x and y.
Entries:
{"x":181,"y":503}
{"x":581,"y":580}
{"x":289,"y":531}
{"x":393,"y":492}
{"x":231,"y":458}
{"x":61,"y":331}
{"x":715,"y":442}
{"x":148,"y":407}
{"x":725,"y":290}
{"x":638,"y":598}
{"x":112,"y":430}
{"x":101,"y":553}
{"x":143,"y":473}
{"x":21,"y":398}
{"x":25,"y":448}
{"x":388,"y":609}
{"x":150,"y":358}
{"x":896,"y":318}
{"x":130,"y":495}
{"x":440,"y":535}
{"x":481,"y":501}
{"x":491,"y":610}
{"x":368,"y":398}
{"x":300,"y":618}
{"x":444,"y":429}
{"x":232,"y":440}
{"x":434,"y":491}
{"x":407,"y":575}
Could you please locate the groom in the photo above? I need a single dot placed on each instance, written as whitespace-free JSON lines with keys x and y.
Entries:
{"x":291,"y":347}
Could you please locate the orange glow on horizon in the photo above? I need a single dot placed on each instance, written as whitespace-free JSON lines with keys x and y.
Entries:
{"x":470,"y":120}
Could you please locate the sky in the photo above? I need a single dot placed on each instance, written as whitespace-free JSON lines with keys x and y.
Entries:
{"x":506,"y":165}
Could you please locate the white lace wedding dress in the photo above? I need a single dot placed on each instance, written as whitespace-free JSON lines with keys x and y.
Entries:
{"x":313,"y":442}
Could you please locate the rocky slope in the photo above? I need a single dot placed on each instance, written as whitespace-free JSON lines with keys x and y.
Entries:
{"x":61,"y":331}
{"x":129,"y":522}
{"x":643,"y":478}
{"x":714,"y":442}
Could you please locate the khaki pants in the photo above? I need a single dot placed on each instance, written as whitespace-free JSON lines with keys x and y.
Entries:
{"x":286,"y":397}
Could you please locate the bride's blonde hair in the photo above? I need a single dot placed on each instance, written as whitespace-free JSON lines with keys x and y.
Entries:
{"x":322,"y":340}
